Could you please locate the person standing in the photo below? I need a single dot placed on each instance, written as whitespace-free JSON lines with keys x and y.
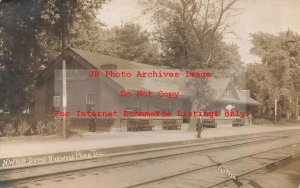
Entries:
{"x":92,"y":125}
{"x":199,"y":127}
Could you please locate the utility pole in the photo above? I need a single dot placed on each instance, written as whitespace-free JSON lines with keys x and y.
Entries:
{"x":297,"y":107}
{"x":64,"y":98}
{"x":64,"y":66}
{"x":275,"y":109}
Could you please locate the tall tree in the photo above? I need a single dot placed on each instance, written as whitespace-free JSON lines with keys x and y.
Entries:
{"x":19,"y":22}
{"x":191,"y":35}
{"x":25,"y":27}
{"x":191,"y":31}
{"x":281,"y":64}
{"x":132,"y":42}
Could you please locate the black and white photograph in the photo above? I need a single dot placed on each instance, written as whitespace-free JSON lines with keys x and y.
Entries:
{"x":149,"y":93}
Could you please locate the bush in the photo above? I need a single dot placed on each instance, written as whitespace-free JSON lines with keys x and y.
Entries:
{"x":31,"y":121}
{"x":9,"y":130}
{"x":7,"y":125}
{"x":58,"y":127}
{"x":27,"y":125}
{"x":50,"y":127}
{"x":54,"y":126}
{"x":24,"y":128}
{"x":23,"y":125}
{"x":41,"y":128}
{"x":1,"y":127}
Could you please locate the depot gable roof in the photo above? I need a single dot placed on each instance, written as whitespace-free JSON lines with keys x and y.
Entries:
{"x":91,"y":60}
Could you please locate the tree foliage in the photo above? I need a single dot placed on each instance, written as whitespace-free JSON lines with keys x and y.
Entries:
{"x":132,"y":42}
{"x":278,"y":75}
{"x":19,"y":22}
{"x":191,"y":32}
{"x":31,"y":33}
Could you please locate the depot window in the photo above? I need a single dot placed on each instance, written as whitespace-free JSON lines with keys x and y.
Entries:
{"x":90,"y":97}
{"x":56,"y":101}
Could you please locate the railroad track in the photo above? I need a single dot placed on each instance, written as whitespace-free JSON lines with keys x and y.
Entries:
{"x":10,"y":177}
{"x":211,"y":175}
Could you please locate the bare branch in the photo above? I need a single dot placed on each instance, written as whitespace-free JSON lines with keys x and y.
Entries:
{"x":223,"y":10}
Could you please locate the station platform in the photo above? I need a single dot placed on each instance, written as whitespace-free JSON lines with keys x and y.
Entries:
{"x":38,"y":145}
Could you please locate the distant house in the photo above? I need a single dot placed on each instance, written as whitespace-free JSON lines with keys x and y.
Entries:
{"x":103,"y":94}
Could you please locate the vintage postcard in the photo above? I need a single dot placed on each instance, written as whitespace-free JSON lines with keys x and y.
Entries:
{"x":149,"y":93}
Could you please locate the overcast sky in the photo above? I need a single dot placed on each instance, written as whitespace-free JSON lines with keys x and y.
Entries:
{"x":270,"y":16}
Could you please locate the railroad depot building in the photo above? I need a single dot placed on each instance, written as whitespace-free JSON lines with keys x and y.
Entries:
{"x":95,"y":90}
